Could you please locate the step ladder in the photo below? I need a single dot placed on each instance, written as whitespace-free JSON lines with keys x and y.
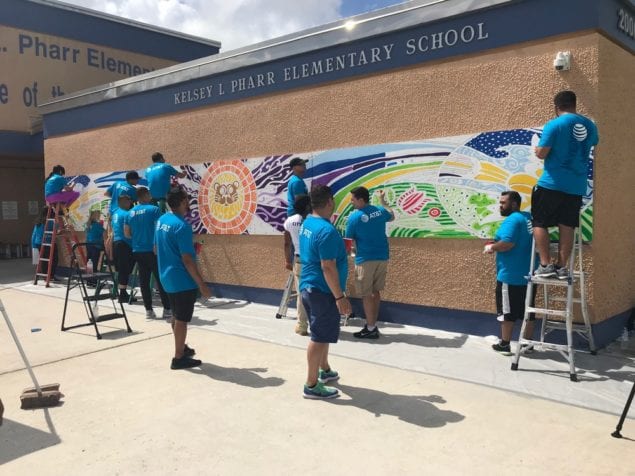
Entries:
{"x":559,"y":318}
{"x":289,"y":293}
{"x":56,"y":224}
{"x":105,"y":290}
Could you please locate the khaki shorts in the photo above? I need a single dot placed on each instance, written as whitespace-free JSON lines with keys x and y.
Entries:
{"x":370,"y":276}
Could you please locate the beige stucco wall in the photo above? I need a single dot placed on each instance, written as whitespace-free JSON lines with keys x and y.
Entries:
{"x":507,"y":88}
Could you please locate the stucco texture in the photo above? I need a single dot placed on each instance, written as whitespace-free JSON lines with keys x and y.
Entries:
{"x":503,"y":89}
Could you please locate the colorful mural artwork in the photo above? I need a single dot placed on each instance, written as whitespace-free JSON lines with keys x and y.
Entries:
{"x":440,"y":188}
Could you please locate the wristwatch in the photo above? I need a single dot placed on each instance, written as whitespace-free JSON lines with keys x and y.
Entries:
{"x":341,"y":297}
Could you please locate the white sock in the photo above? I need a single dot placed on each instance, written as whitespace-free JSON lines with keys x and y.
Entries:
{"x":370,"y":328}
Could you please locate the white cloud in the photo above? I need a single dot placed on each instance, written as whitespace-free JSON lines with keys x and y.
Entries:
{"x":235,"y":23}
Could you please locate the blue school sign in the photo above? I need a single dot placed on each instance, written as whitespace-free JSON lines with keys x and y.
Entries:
{"x":504,"y":24}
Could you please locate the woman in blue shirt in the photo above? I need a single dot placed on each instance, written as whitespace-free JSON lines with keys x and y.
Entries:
{"x":94,"y":237}
{"x":56,"y":188}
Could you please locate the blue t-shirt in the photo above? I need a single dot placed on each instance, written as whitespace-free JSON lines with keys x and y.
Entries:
{"x":319,"y":240}
{"x":142,"y":220}
{"x":512,"y":266}
{"x":571,"y":137}
{"x":118,"y":189}
{"x":296,"y":187}
{"x":367,"y":227}
{"x":95,"y":233}
{"x":37,"y":235}
{"x":173,"y":237}
{"x":118,"y":220}
{"x":55,"y":184}
{"x":158,"y":177}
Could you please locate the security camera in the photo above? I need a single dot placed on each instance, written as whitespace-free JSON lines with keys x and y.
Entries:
{"x":562,"y":62}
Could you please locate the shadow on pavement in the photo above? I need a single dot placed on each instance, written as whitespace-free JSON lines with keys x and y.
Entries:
{"x":411,"y":339}
{"x":245,"y":377}
{"x":17,"y":440}
{"x":417,"y":410}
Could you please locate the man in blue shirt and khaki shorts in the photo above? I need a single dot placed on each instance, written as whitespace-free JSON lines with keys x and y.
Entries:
{"x":367,"y":226}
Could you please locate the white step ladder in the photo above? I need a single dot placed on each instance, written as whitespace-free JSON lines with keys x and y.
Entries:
{"x":559,"y":319}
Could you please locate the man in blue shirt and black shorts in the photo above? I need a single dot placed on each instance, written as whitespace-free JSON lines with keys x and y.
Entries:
{"x":367,"y":226}
{"x":123,"y":187}
{"x":322,"y":285}
{"x":179,"y":274}
{"x":140,"y":225}
{"x":513,"y":254}
{"x":159,"y":176}
{"x":565,"y":146}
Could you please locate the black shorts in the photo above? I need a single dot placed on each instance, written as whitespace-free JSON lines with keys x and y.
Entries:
{"x":553,"y":208}
{"x":510,"y":301}
{"x":182,"y":304}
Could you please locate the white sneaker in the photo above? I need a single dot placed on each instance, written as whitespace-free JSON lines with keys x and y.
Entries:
{"x":167,"y":314}
{"x":150,"y":314}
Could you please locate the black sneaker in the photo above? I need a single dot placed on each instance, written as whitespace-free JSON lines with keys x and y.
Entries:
{"x":124,"y":297}
{"x":503,"y":349}
{"x":366,"y":334}
{"x":188,"y":351}
{"x":184,"y":363}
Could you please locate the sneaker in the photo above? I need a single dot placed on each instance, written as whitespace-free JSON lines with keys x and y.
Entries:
{"x":188,"y":351}
{"x":184,"y":363}
{"x":562,"y":274}
{"x":366,"y":334}
{"x":124,"y":297}
{"x":302,"y":331}
{"x":548,"y":271}
{"x":167,"y":314}
{"x":527,"y":348}
{"x":150,"y":314}
{"x":327,"y":375}
{"x":503,"y":349}
{"x":320,"y":391}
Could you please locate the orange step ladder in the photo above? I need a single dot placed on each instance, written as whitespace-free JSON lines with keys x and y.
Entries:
{"x":56,"y":224}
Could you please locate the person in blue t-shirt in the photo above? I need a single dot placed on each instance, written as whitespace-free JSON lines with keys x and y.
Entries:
{"x":512,"y":246}
{"x":565,"y":145}
{"x":179,"y":274}
{"x":57,"y":189}
{"x":123,"y":187}
{"x":296,"y":185}
{"x":139,"y":226}
{"x":122,"y":246}
{"x":159,"y":176}
{"x":367,"y":226}
{"x":322,"y":285}
{"x":94,"y":237}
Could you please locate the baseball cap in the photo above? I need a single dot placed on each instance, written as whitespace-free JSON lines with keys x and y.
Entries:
{"x":297,"y":161}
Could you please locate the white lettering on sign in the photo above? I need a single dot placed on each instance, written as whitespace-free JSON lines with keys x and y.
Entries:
{"x":446,"y":39}
{"x":626,"y":23}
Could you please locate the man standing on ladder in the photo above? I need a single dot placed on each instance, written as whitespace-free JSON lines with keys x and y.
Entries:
{"x":296,"y":185}
{"x":292,"y":255}
{"x":565,"y":146}
{"x":513,"y":256}
{"x":158,"y":176}
{"x":367,"y":226}
{"x":123,"y":187}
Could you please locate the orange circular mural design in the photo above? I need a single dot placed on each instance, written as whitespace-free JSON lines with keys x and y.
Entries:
{"x":227,"y":197}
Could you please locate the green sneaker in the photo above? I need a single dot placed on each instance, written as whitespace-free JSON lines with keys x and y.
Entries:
{"x":320,"y":391}
{"x":327,"y":375}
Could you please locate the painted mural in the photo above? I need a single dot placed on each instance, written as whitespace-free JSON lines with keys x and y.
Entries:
{"x":440,"y":188}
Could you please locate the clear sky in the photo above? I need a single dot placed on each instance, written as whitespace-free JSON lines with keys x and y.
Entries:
{"x":235,"y":23}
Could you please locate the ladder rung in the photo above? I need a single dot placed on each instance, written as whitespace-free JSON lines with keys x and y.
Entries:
{"x":45,"y":259}
{"x":42,"y":274}
{"x":549,"y":345}
{"x":48,"y":232}
{"x":564,"y":299}
{"x":548,"y":312}
{"x":551,"y":281}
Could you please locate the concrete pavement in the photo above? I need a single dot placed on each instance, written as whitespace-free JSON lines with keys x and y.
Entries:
{"x":415,"y":402}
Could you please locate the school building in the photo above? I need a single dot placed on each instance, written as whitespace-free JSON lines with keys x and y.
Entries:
{"x":48,"y":49}
{"x":439,"y":104}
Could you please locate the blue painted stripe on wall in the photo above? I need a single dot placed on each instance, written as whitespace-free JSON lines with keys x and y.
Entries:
{"x":21,"y":144}
{"x":504,"y":26}
{"x":74,"y":25}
